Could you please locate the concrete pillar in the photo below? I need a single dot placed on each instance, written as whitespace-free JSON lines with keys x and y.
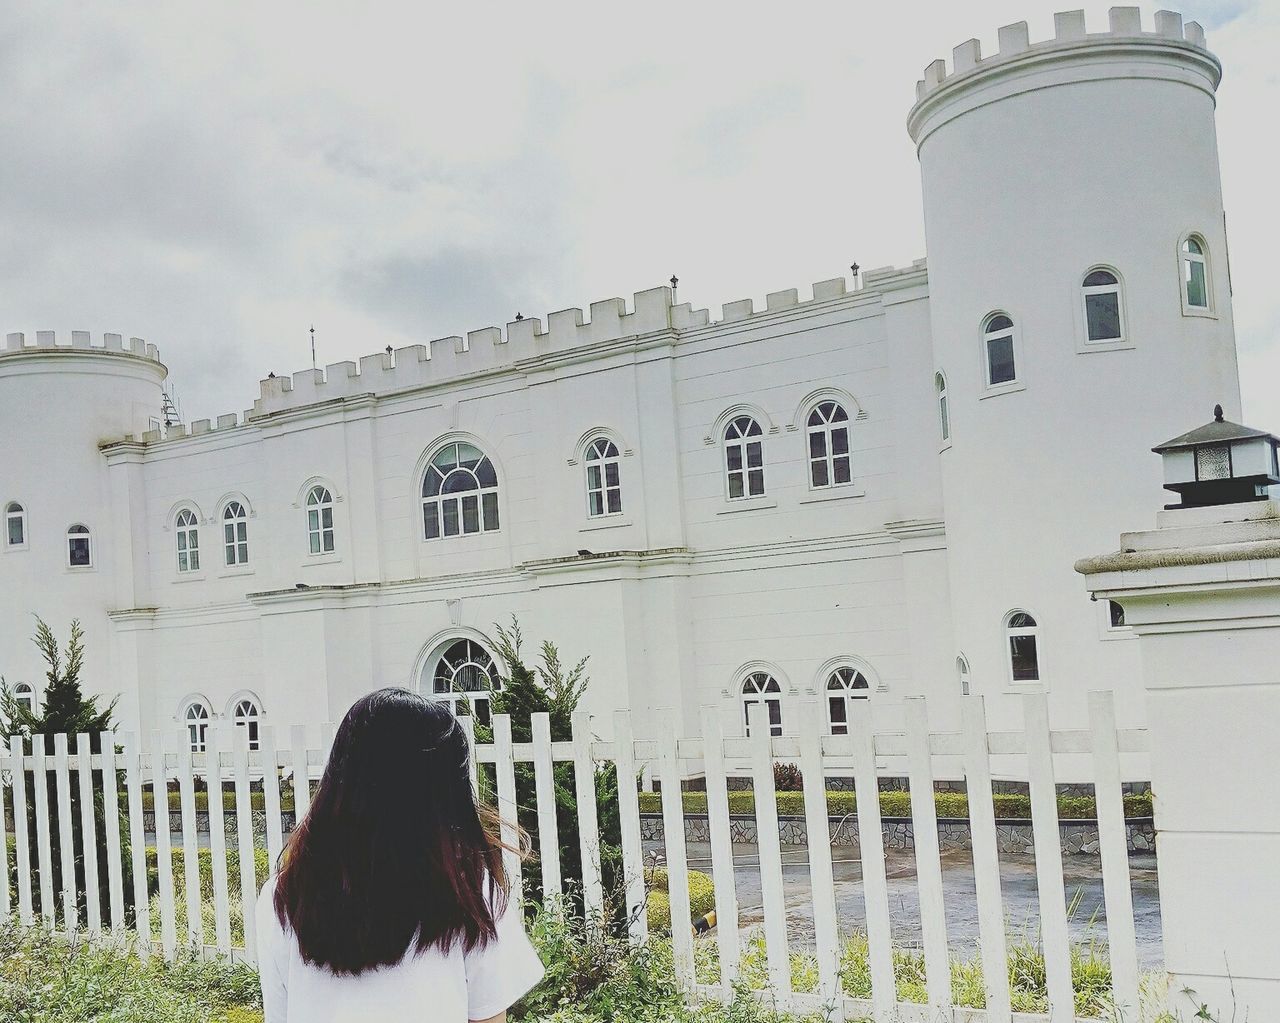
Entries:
{"x":1202,"y":592}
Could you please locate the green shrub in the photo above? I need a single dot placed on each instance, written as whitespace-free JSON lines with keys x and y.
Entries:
{"x":702,"y":898}
{"x":208,"y":917}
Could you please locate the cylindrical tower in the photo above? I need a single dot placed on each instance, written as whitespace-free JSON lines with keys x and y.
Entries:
{"x":1081,"y":312}
{"x":63,"y":518}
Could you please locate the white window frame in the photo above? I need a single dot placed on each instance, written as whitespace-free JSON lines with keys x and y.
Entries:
{"x":827,"y":429}
{"x":1186,"y":259}
{"x":186,"y":530}
{"x":987,"y":336}
{"x":439,"y":501}
{"x":1011,"y":632}
{"x":760,"y":686}
{"x":964,"y":675}
{"x":15,"y":511}
{"x":841,"y":685}
{"x":457,"y":698}
{"x":250,"y":722}
{"x":79,"y":531}
{"x":1086,"y":343}
{"x":317,"y":530}
{"x":196,"y":726}
{"x":942,"y":402}
{"x":742,"y":442}
{"x":235,"y":551}
{"x":25,"y":693}
{"x":601,"y":453}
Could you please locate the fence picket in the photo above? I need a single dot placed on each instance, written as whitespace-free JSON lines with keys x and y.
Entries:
{"x":89,"y":835}
{"x":111,"y":831}
{"x":218,"y":841}
{"x":506,"y":774}
{"x":137,"y":845}
{"x":677,"y":852}
{"x":821,"y":875}
{"x":584,"y":783}
{"x":986,"y":859}
{"x":244,"y":838}
{"x":190,"y":850}
{"x":164,"y":845}
{"x":18,"y":822}
{"x":469,"y":731}
{"x":1113,"y":847}
{"x":544,"y":788}
{"x":629,"y":818}
{"x":271,"y":792}
{"x":1049,"y":884}
{"x":21,"y":836}
{"x":728,"y":940}
{"x":924,"y":822}
{"x":875,"y":885}
{"x":769,"y":849}
{"x":301,"y":773}
{"x":40,"y":785}
{"x":66,"y":833}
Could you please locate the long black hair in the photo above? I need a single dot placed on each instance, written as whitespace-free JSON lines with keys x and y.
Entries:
{"x":394,"y":851}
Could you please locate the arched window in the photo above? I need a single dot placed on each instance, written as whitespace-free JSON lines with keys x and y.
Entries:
{"x":1115,"y":611}
{"x":79,"y":547}
{"x":829,"y":446}
{"x":1022,"y":635}
{"x":844,"y":684}
{"x":744,"y":458}
{"x":196,"y":717}
{"x":944,"y":412}
{"x":15,"y":525}
{"x":465,"y":676}
{"x":1103,"y":308}
{"x":24,"y":694}
{"x":1195,"y":273}
{"x":320,"y":520}
{"x":997,"y":346}
{"x":235,"y":534}
{"x":962,"y":672}
{"x":604,"y":479}
{"x":246,"y":715}
{"x":459,"y":492}
{"x":761,"y":687}
{"x":188,"y":541}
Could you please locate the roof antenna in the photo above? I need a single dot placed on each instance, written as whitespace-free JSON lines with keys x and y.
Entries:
{"x":313,"y":346}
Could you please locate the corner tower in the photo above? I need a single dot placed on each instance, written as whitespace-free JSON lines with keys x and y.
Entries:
{"x":1081,"y":309}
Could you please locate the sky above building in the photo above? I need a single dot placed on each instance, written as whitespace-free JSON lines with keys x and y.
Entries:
{"x":218,"y":179}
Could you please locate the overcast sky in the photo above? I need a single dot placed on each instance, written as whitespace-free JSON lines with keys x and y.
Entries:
{"x":218,"y":178}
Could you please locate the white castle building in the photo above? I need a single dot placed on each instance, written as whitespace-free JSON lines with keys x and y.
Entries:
{"x":871,"y":491}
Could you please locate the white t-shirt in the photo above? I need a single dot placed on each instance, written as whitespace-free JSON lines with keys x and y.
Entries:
{"x":433,"y":987}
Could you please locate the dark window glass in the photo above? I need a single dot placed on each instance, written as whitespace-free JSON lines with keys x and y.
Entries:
{"x":1117,"y":614}
{"x":1104,"y":316}
{"x":1026,"y":664}
{"x":1100,"y":278}
{"x":1000,"y":360}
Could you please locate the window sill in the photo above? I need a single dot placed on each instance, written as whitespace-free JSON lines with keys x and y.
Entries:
{"x":944,"y":446}
{"x":189,"y":577}
{"x":991,"y":392}
{"x":231,"y":571}
{"x":1204,"y":314}
{"x":747,"y":504}
{"x":1125,"y":632}
{"x":15,"y":547}
{"x":833,"y":494}
{"x":321,"y":559}
{"x":606,"y":522}
{"x":1089,"y":347}
{"x":78,"y":569}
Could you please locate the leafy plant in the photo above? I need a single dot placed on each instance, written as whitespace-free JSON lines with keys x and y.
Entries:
{"x":787,"y":777}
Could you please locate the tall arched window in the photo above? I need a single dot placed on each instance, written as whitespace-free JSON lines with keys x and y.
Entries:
{"x":944,"y":412}
{"x":744,"y":458}
{"x":196,"y":717}
{"x":459,"y":492}
{"x":844,"y":684}
{"x":248,"y":716}
{"x":1103,"y":307}
{"x":1022,"y":634}
{"x":962,"y":673}
{"x":188,"y":533}
{"x":604,"y":478}
{"x":1195,"y":273}
{"x":466,"y":675}
{"x":235,"y":534}
{"x":15,"y":525}
{"x":320,"y":520}
{"x":829,"y":446}
{"x":761,"y":687}
{"x":24,"y":694}
{"x":79,"y":547}
{"x":997,"y":347}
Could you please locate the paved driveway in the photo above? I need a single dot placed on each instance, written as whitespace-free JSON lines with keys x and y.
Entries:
{"x":1082,"y":890}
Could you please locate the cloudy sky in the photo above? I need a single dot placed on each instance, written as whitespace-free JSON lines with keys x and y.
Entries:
{"x":217,"y":178}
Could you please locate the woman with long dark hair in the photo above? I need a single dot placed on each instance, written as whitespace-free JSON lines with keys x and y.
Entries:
{"x":391,"y":903}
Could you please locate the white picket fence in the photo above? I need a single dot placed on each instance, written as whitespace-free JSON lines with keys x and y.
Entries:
{"x":667,"y":758}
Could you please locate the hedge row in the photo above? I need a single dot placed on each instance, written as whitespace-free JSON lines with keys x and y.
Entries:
{"x":898,"y":804}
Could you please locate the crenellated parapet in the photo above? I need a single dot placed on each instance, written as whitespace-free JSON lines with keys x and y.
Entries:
{"x":81,"y":341}
{"x":1124,"y":38}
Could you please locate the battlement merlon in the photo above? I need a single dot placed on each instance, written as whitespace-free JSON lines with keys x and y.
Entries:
{"x":81,"y":341}
{"x":1125,"y":37}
